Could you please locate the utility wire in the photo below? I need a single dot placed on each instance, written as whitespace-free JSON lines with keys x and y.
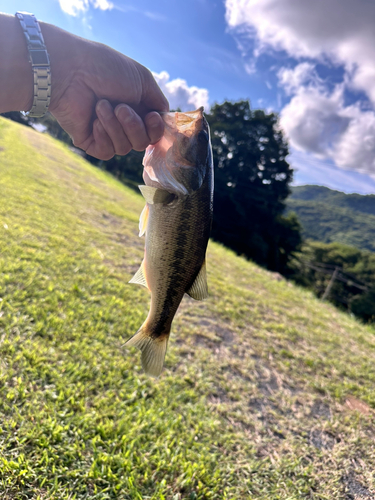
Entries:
{"x":339,"y":276}
{"x":350,"y":282}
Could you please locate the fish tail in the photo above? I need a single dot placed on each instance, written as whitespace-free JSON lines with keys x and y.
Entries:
{"x":153,"y":349}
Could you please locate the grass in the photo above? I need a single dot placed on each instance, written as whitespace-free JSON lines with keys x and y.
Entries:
{"x":267,"y":393}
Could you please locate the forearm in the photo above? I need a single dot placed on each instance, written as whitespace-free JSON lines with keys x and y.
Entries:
{"x":16,"y":76}
{"x":16,"y":80}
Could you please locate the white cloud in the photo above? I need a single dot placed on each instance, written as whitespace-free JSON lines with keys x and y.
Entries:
{"x":330,"y":32}
{"x":180,"y":95}
{"x":292,"y":79}
{"x":313,"y":121}
{"x":75,"y":7}
{"x":318,"y":121}
{"x":355,"y":150}
{"x":340,"y":30}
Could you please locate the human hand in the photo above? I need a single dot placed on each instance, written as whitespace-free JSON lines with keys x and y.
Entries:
{"x":104,"y":100}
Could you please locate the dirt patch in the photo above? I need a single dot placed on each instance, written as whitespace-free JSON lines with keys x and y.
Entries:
{"x":357,"y":405}
{"x":201,"y":340}
{"x":226,"y":335}
{"x":354,"y":490}
{"x":321,"y":409}
{"x":321,"y":439}
{"x":270,"y":385}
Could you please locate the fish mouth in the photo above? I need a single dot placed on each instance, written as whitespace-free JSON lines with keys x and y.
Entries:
{"x":186,"y":122}
{"x":177,"y":163}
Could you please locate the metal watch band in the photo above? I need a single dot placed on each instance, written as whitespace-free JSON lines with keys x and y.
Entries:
{"x":39,"y":60}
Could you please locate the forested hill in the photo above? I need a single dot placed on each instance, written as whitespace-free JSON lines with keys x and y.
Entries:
{"x":329,"y":216}
{"x":357,"y":202}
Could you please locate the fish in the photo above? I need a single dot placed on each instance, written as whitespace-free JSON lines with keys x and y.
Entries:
{"x":176,"y":222}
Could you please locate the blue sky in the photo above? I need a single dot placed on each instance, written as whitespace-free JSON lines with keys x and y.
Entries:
{"x":312,"y":62}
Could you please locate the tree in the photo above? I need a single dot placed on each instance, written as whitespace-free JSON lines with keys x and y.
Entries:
{"x":251,"y":183}
{"x":364,"y":305}
{"x":353,"y":287}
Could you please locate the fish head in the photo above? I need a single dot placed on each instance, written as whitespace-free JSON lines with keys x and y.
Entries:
{"x":192,"y":138}
{"x":179,"y":161}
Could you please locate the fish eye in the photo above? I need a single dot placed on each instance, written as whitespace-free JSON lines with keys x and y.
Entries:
{"x":171,"y":199}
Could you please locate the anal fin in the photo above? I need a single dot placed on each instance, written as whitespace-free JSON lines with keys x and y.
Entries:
{"x":199,"y":289}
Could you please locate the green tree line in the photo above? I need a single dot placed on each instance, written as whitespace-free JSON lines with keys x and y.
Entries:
{"x":350,"y":272}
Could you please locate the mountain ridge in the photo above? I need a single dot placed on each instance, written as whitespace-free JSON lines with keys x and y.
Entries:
{"x":328,"y":216}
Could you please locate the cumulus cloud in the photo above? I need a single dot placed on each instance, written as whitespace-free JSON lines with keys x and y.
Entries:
{"x":329,"y":32}
{"x":314,"y":120}
{"x":317,"y":120}
{"x":293,"y":78}
{"x":340,"y":30}
{"x":75,"y":7}
{"x":180,"y":95}
{"x":355,"y":150}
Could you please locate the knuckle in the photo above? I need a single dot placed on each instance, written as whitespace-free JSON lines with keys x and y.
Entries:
{"x":141,"y":146}
{"x":129,"y":118}
{"x":123,"y":150}
{"x":107,"y":156}
{"x":155,"y":136}
{"x":104,"y":154}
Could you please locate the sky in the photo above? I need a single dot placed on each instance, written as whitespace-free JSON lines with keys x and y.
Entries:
{"x":312,"y":62}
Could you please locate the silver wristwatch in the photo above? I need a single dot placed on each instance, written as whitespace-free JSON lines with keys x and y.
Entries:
{"x":39,"y":60}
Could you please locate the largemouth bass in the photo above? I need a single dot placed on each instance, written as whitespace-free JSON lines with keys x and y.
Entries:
{"x":178,"y":176}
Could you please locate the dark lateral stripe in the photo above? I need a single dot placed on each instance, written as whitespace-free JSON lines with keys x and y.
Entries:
{"x":185,"y":255}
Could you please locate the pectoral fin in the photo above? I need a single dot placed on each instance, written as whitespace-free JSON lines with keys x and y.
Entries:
{"x":199,"y":289}
{"x":140,"y":276}
{"x":155,"y":195}
{"x":143,"y":220}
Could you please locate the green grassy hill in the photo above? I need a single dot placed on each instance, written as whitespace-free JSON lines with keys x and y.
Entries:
{"x":267,"y":393}
{"x":329,"y":216}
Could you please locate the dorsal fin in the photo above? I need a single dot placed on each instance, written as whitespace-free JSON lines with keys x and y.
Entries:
{"x":199,"y":289}
{"x":155,"y":195}
{"x":140,"y":276}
